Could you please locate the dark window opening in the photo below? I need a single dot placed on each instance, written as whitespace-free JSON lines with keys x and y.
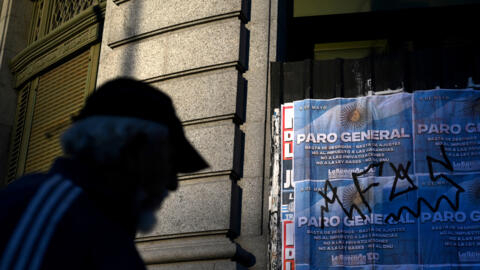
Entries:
{"x":411,"y":49}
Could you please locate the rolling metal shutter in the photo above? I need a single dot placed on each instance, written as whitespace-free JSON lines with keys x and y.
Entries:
{"x":60,"y":94}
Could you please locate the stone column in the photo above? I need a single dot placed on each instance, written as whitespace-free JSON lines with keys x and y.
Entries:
{"x":212,"y":58}
{"x":15,"y":16}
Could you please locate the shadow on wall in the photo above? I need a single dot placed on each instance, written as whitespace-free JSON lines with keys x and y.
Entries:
{"x":128,"y":66}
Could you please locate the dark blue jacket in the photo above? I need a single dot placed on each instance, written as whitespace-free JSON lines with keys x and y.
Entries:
{"x":66,"y":219}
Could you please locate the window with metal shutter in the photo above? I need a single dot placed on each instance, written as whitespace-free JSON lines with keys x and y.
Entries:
{"x":54,"y":74}
{"x":60,"y":94}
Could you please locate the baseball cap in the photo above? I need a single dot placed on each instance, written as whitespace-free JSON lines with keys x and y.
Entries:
{"x":132,"y":98}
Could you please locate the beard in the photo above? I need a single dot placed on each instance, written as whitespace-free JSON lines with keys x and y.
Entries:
{"x":147,"y":218}
{"x":146,"y":221}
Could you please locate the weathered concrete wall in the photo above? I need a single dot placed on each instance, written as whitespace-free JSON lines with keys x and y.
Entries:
{"x":212,"y":58}
{"x":15,"y":16}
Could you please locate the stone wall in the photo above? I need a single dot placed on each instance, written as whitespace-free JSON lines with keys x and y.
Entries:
{"x":212,"y":58}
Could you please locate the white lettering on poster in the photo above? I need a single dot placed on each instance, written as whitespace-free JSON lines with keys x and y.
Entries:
{"x":352,"y":136}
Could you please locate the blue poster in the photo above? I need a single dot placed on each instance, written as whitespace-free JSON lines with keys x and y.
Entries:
{"x":447,"y":168}
{"x":335,"y":138}
{"x":450,"y":118}
{"x":388,"y":182}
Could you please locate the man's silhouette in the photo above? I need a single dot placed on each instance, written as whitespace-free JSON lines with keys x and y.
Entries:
{"x":122,"y":155}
